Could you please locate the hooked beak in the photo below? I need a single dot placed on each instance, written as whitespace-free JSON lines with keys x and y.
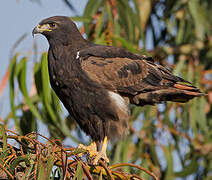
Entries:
{"x":40,"y":29}
{"x":35,"y":31}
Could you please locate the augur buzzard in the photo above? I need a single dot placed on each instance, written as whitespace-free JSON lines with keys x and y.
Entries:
{"x":96,"y":83}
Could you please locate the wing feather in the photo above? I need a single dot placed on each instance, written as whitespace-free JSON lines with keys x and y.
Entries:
{"x":123,"y":74}
{"x":138,"y":80}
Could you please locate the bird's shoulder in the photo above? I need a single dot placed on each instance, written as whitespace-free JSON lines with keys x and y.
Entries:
{"x":114,"y":65}
{"x":105,"y":52}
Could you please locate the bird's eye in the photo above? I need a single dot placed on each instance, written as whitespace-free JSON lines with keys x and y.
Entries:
{"x":52,"y":25}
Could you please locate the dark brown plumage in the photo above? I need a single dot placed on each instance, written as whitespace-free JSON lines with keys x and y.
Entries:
{"x":96,"y":83}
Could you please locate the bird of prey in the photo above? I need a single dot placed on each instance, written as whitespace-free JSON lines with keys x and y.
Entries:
{"x":96,"y":83}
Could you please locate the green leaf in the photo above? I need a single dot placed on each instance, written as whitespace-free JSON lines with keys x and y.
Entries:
{"x":12,"y":70}
{"x":38,"y":78}
{"x":90,"y":9}
{"x":79,"y":171}
{"x":46,"y":88}
{"x":26,"y":125}
{"x":41,"y":169}
{"x":21,"y":74}
{"x":180,"y":33}
{"x":3,"y":137}
{"x":179,"y":67}
{"x":23,"y":87}
{"x":41,"y":172}
{"x":29,"y":171}
{"x":127,"y":19}
{"x":17,"y":162}
{"x":126,"y":43}
{"x":201,"y":22}
{"x":191,"y":168}
{"x":202,"y":118}
{"x":100,"y":23}
{"x":169,"y":173}
{"x":80,"y":18}
{"x":49,"y":166}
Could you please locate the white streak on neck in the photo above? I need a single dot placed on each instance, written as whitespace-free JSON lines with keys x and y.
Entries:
{"x":78,"y":54}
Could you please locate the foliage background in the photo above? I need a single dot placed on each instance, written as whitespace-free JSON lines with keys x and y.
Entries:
{"x":172,"y":140}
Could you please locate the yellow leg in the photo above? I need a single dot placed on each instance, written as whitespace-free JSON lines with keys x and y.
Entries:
{"x":102,"y":154}
{"x":104,"y":145}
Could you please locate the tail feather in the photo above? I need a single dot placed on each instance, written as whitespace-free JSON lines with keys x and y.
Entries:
{"x":166,"y":88}
{"x":186,"y":87}
{"x":177,"y":93}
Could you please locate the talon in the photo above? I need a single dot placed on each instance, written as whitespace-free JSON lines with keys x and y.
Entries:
{"x":102,"y":154}
{"x":99,"y":156}
{"x":93,"y":155}
{"x":91,"y":149}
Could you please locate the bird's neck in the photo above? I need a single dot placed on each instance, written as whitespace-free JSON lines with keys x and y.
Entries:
{"x":73,"y":43}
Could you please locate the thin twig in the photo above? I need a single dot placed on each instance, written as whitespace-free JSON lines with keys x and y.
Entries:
{"x":6,"y":171}
{"x":21,"y":149}
{"x":106,"y":169}
{"x":64,"y":164}
{"x":4,"y":162}
{"x":136,"y":166}
{"x":87,"y":172}
{"x":13,"y":150}
{"x":120,"y":174}
{"x":138,"y":177}
{"x":11,"y":131}
{"x":62,"y":154}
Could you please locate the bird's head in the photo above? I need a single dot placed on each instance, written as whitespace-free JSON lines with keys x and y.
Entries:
{"x":59,"y":28}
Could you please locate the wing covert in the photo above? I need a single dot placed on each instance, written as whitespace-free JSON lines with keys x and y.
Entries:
{"x":123,"y":75}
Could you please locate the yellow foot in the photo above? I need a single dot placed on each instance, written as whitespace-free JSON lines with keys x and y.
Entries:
{"x":92,"y":150}
{"x":100,"y":156}
{"x":94,"y":155}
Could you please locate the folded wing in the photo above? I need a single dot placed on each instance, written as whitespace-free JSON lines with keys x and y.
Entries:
{"x":139,"y":80}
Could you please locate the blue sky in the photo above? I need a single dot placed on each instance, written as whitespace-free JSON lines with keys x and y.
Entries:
{"x":19,"y":17}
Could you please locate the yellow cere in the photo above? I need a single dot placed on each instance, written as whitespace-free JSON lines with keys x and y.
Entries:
{"x":44,"y":27}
